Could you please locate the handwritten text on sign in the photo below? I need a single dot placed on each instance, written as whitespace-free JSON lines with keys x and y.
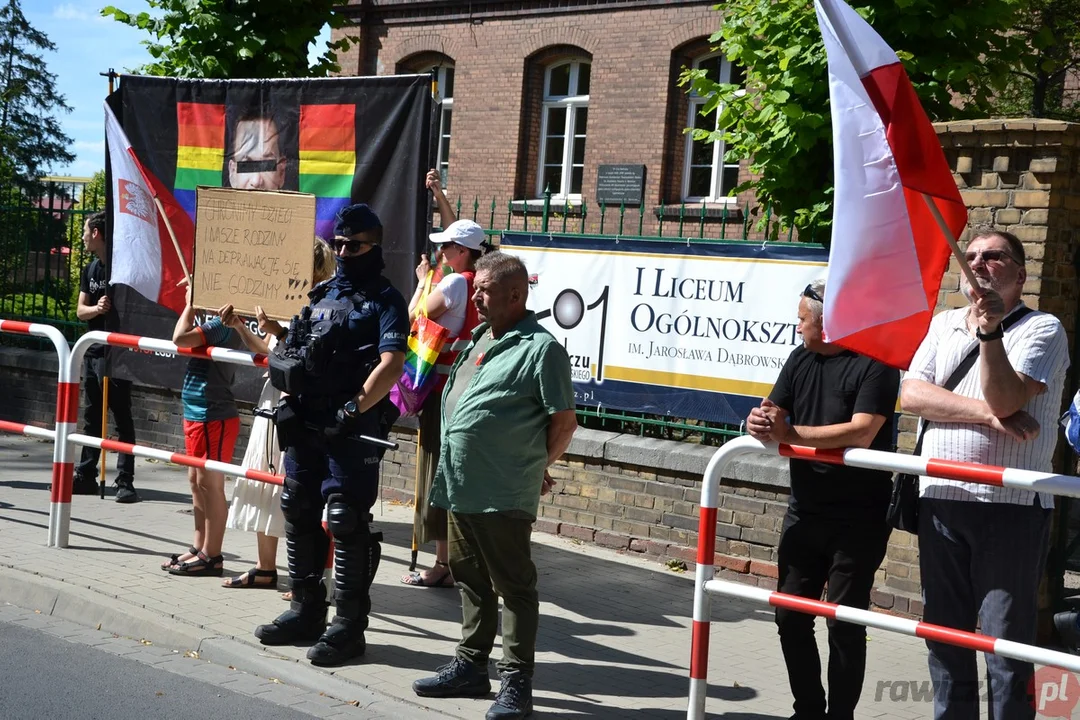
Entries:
{"x":253,"y":248}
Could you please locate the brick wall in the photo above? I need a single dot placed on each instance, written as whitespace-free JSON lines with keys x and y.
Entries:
{"x":636,"y":111}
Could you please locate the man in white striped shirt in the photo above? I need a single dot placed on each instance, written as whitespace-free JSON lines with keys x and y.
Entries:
{"x":982,"y":548}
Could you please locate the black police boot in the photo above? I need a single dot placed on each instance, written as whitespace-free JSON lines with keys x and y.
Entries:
{"x":304,"y":621}
{"x":355,"y":550}
{"x":343,"y":640}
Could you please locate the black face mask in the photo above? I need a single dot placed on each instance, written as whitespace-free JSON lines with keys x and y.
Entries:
{"x":361,"y":268}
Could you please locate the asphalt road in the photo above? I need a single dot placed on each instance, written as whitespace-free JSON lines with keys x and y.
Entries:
{"x":45,"y":676}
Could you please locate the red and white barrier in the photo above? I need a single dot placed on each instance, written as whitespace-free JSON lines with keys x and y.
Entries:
{"x":67,"y":414}
{"x":705,"y":585}
{"x":175,"y":458}
{"x":912,"y":628}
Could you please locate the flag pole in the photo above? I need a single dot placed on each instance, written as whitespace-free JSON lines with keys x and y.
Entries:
{"x":172,"y":236}
{"x":964,"y":266}
{"x":105,"y":365}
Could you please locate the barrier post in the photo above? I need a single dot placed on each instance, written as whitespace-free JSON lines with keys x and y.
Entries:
{"x":67,"y":414}
{"x":710,"y":495}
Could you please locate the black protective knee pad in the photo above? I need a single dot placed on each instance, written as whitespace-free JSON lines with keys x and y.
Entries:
{"x":357,"y":552}
{"x":305,"y":542}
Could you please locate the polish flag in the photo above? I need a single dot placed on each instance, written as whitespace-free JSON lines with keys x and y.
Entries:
{"x":888,"y":253}
{"x":143,"y":254}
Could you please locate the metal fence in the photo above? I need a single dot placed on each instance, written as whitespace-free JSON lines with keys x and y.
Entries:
{"x":697,"y":221}
{"x":42,"y":255}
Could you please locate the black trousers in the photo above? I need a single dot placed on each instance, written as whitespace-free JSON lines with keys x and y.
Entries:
{"x":119,"y":403}
{"x":844,"y":554}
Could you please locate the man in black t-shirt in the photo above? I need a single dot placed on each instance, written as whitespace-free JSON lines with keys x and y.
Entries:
{"x":97,"y":311}
{"x":834,"y":532}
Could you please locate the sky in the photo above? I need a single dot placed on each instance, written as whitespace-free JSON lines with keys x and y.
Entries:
{"x":86,"y":45}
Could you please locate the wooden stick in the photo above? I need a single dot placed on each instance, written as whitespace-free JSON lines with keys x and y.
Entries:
{"x":172,"y":235}
{"x":964,"y":267}
{"x":104,"y":430}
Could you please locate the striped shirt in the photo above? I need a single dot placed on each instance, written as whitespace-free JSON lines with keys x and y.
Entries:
{"x":207,"y":391}
{"x":1036,"y":347}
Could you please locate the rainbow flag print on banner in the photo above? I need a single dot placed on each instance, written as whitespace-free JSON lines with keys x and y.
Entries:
{"x":327,"y":160}
{"x":200,"y":150}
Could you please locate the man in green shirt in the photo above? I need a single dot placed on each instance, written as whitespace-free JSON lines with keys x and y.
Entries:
{"x":508,"y":413}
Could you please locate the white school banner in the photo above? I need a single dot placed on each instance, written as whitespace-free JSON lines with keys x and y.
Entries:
{"x":697,"y":331}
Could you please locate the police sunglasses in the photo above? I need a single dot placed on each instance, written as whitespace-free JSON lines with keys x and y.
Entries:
{"x":809,"y":292}
{"x":350,"y":245}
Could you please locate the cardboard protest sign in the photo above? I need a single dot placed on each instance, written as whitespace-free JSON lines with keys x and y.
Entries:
{"x":253,"y":248}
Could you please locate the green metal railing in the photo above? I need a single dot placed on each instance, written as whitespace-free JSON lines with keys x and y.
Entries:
{"x":725,"y":222}
{"x":41,"y":255}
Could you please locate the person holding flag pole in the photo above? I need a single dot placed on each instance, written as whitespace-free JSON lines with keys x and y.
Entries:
{"x":981,"y":548}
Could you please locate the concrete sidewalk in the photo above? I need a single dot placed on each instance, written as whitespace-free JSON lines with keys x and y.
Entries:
{"x":614,"y":631}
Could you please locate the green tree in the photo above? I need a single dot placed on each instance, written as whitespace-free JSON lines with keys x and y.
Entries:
{"x":236,"y":38}
{"x":30,"y":136}
{"x":780,"y":119}
{"x":93,"y":193}
{"x":1050,"y":30}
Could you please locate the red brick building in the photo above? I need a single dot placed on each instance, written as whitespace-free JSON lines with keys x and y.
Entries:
{"x":540,"y":93}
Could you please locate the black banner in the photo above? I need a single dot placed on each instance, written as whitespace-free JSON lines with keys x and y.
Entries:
{"x":345,"y":140}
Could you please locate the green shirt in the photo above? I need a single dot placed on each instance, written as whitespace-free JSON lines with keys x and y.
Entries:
{"x":494,"y":447}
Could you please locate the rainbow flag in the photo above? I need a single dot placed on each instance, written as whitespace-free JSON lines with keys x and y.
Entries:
{"x":327,"y":160}
{"x":200,"y":151}
{"x":419,"y":377}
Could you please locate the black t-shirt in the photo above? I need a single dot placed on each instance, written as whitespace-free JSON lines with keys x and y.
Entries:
{"x":94,"y":284}
{"x":820,"y":389}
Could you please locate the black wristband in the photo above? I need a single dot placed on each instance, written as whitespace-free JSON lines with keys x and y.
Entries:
{"x":281,"y":335}
{"x":996,"y":334}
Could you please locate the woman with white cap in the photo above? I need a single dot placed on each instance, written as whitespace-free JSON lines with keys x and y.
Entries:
{"x":448,"y":303}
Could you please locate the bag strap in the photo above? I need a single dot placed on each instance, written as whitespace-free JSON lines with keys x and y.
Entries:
{"x":965,"y":366}
{"x":421,"y":304}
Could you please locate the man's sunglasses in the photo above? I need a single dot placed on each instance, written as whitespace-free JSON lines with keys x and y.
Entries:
{"x":350,"y":245}
{"x":989,"y":256}
{"x":809,"y":292}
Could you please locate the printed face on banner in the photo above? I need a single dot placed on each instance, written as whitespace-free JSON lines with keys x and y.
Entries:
{"x":655,"y":328}
{"x":257,"y":162}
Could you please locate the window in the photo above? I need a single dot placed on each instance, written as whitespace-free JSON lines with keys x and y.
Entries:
{"x":443,"y":77}
{"x":707,"y":176}
{"x":563,"y":128}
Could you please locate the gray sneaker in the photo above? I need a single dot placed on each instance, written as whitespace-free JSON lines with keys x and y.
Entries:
{"x":125,"y":490}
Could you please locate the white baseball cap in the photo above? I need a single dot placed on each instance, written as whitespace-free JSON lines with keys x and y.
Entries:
{"x":465,"y":233}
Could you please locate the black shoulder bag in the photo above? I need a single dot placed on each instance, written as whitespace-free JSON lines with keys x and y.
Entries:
{"x":903,"y":512}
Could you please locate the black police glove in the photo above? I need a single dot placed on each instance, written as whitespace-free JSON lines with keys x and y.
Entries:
{"x":345,"y":422}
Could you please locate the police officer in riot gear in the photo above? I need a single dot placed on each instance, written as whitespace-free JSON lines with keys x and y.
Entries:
{"x":336,"y":365}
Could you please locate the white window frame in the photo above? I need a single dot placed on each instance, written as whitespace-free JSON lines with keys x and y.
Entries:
{"x":571,"y":103}
{"x":717,"y":192}
{"x":445,"y":114}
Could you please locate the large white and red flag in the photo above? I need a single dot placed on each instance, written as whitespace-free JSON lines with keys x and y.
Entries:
{"x":888,"y":253}
{"x":143,"y":254}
